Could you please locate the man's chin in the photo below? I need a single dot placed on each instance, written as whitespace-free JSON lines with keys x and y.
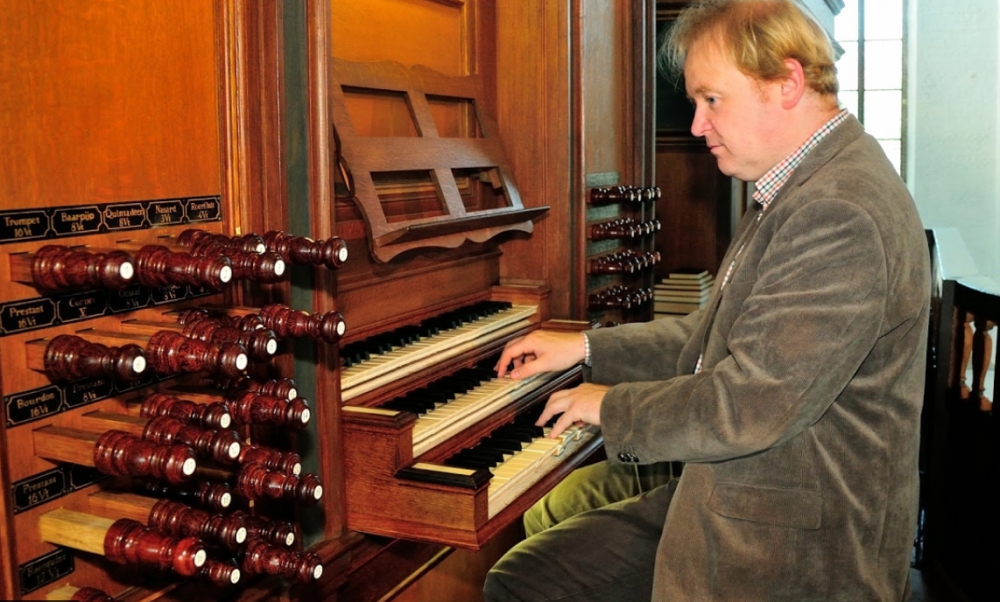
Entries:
{"x":727,"y":168}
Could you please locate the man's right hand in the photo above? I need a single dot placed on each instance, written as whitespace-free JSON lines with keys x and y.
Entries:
{"x":542,"y":351}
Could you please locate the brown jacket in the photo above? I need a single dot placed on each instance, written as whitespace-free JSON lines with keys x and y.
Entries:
{"x":801,"y":432}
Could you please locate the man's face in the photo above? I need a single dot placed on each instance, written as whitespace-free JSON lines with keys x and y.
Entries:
{"x":738,"y":116}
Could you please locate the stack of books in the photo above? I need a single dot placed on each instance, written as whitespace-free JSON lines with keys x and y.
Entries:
{"x":682,"y":292}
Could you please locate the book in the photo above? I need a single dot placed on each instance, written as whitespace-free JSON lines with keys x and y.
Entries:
{"x":678,"y":299}
{"x":673,"y":307}
{"x":683,"y":292}
{"x":689,"y":274}
{"x":693,"y":285}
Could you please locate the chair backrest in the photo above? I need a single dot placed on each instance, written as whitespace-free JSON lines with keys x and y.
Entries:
{"x":958,"y":505}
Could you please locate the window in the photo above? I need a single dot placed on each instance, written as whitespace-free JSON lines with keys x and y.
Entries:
{"x":872,"y":70}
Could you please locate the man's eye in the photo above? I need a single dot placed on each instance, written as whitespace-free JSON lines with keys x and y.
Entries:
{"x":710,"y":100}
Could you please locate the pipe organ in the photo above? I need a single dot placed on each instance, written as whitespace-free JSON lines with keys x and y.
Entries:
{"x":261,"y":259}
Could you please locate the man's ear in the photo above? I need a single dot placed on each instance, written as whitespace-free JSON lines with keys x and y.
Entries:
{"x":793,"y":86}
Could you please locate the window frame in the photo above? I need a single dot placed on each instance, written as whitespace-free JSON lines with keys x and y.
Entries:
{"x":861,"y":89}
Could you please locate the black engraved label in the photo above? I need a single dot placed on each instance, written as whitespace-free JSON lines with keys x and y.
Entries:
{"x":27,"y":315}
{"x":71,"y":221}
{"x":168,"y":294}
{"x":32,"y":405}
{"x":38,"y":489}
{"x":146,"y":379}
{"x":46,"y":569}
{"x":199,"y":291}
{"x":23,"y":225}
{"x":81,"y":476}
{"x":81,"y":392}
{"x":161,"y":213}
{"x":204,"y":209}
{"x":124,"y":216}
{"x":81,"y":306}
{"x":128,"y":299}
{"x":77,"y":220}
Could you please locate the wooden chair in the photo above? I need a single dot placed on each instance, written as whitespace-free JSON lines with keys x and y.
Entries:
{"x":958,"y":533}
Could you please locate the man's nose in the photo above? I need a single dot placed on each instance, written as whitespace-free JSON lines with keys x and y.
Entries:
{"x":699,"y":125}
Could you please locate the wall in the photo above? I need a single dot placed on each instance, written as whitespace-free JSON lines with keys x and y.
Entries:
{"x":953,"y":111}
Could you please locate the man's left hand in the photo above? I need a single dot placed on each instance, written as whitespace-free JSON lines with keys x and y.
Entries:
{"x":579,"y":405}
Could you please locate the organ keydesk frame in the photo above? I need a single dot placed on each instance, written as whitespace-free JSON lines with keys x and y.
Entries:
{"x":145,"y":132}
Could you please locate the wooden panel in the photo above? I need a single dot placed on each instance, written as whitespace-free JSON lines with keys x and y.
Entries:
{"x":605,"y":88}
{"x":694,"y":210}
{"x":533,"y":117}
{"x":432,"y":33}
{"x":93,"y":108}
{"x":462,"y":571}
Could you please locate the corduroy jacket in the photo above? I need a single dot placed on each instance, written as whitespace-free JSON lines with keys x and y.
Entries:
{"x":801,"y":431}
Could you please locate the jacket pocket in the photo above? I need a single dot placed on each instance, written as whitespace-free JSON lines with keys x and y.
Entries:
{"x":794,"y":508}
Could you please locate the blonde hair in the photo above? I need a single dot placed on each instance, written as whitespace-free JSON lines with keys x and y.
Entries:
{"x":759,"y":36}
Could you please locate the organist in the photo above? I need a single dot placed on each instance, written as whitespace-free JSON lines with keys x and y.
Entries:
{"x":793,"y":398}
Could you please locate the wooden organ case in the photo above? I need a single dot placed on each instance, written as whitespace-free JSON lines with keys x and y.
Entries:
{"x":149,"y":446}
{"x":487,"y":163}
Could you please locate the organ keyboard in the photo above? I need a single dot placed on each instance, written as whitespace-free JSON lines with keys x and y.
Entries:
{"x":516,"y":455}
{"x":452,"y":458}
{"x":413,"y":348}
{"x":449,"y":405}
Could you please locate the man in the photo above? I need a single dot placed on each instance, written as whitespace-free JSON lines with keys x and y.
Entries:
{"x":794,"y":398}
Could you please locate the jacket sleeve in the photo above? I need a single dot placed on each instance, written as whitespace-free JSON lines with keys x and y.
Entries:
{"x":809,"y":317}
{"x":655,"y":346}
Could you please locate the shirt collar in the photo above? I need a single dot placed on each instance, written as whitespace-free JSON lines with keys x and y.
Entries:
{"x":768,"y":186}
